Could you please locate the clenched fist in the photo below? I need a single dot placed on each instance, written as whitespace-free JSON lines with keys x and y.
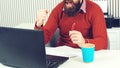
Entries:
{"x":41,"y":16}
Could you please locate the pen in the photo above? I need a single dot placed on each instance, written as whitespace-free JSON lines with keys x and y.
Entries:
{"x":73,"y":26}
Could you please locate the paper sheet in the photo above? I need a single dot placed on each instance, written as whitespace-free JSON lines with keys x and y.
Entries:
{"x":63,"y":51}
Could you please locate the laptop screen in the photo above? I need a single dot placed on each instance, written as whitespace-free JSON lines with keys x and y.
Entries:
{"x":22,"y":48}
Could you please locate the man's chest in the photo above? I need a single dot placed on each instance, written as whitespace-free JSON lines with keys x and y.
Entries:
{"x":82,"y":23}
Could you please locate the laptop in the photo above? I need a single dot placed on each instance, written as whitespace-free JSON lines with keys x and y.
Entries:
{"x":25,"y":48}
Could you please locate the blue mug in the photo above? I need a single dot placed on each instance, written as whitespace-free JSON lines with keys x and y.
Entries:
{"x":88,"y":52}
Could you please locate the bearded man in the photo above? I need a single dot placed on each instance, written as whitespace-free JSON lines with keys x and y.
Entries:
{"x":79,"y":22}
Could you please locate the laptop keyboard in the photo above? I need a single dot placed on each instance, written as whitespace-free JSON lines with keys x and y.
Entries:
{"x":55,"y":61}
{"x":52,"y":64}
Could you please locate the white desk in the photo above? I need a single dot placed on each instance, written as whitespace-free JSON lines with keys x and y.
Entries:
{"x":103,"y":58}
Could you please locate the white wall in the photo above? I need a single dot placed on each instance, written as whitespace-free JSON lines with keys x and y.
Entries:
{"x":13,"y":12}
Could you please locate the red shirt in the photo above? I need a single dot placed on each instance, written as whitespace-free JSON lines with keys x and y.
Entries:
{"x":90,"y":22}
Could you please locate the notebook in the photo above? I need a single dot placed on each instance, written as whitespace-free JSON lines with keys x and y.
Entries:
{"x":25,"y":48}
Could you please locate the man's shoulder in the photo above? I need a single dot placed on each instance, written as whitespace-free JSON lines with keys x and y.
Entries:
{"x":59,"y":6}
{"x":92,"y":6}
{"x":58,"y":9}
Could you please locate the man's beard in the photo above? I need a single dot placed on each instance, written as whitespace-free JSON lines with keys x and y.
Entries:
{"x":72,"y":11}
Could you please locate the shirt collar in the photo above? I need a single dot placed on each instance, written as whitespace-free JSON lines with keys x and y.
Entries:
{"x":83,"y":6}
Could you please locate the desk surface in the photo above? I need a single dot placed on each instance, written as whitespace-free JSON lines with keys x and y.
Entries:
{"x":103,"y":58}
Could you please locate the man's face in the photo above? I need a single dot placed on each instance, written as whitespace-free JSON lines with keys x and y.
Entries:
{"x":71,"y":7}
